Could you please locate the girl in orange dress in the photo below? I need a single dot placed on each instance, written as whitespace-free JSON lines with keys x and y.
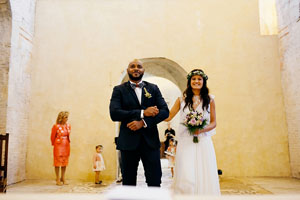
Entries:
{"x":60,"y":139}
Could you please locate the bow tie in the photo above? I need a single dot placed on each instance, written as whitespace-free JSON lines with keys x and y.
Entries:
{"x":135,"y":85}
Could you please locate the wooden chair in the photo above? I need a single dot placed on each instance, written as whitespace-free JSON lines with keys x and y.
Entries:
{"x":3,"y":161}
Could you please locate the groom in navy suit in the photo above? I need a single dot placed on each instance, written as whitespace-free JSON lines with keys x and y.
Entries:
{"x":139,"y":106}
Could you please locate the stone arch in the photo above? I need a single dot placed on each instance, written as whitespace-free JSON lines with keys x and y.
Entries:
{"x":165,"y":68}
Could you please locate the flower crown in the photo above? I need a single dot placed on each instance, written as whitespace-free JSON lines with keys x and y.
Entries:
{"x":197,"y":72}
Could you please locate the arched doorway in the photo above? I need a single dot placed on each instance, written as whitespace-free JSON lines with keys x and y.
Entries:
{"x":162,"y":67}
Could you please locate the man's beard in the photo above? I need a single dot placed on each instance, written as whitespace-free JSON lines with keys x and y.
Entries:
{"x":135,"y":78}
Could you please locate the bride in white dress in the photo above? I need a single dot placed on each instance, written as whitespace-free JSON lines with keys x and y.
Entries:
{"x":196,"y":167}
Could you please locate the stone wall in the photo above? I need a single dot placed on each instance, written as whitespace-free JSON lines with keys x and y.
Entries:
{"x":82,"y":48}
{"x":229,"y":54}
{"x":289,"y":36}
{"x":23,"y":12}
{"x":5,"y":37}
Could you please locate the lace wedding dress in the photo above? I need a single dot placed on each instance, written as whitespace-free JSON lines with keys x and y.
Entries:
{"x":195,"y":167}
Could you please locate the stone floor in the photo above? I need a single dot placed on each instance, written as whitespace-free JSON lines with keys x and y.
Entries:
{"x":229,"y":186}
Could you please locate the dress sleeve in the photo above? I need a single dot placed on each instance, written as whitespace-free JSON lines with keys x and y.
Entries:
{"x":53,"y":134}
{"x":69,"y":132}
{"x":173,"y":131}
{"x":181,"y":99}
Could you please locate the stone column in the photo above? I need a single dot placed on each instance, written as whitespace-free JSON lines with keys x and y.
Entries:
{"x":289,"y":37}
{"x":23,"y":13}
{"x":5,"y":40}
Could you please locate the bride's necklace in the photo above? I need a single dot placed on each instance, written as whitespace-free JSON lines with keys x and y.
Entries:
{"x":196,"y":101}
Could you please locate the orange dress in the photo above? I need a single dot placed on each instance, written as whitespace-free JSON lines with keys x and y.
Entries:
{"x":60,"y":139}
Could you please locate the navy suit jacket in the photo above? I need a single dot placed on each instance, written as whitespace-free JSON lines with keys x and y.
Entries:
{"x":125,"y":107}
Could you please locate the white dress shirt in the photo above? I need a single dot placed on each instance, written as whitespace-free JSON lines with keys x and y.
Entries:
{"x":138,"y":92}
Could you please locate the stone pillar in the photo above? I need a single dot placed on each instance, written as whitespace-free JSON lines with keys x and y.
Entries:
{"x":23,"y":12}
{"x":289,"y":37}
{"x":5,"y":37}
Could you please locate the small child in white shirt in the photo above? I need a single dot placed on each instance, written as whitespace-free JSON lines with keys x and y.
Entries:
{"x":170,"y":155}
{"x":98,"y":163}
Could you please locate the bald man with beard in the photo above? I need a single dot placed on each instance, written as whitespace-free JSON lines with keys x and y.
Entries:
{"x":139,"y":106}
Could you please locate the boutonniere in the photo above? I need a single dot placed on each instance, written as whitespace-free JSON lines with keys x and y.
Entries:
{"x":147,"y":94}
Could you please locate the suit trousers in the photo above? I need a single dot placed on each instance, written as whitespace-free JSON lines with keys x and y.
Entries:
{"x":151,"y":162}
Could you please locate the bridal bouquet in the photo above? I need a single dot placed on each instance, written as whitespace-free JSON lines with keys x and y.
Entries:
{"x":193,"y":121}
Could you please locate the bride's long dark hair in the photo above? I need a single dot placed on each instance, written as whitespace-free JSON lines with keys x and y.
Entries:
{"x":204,"y":92}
